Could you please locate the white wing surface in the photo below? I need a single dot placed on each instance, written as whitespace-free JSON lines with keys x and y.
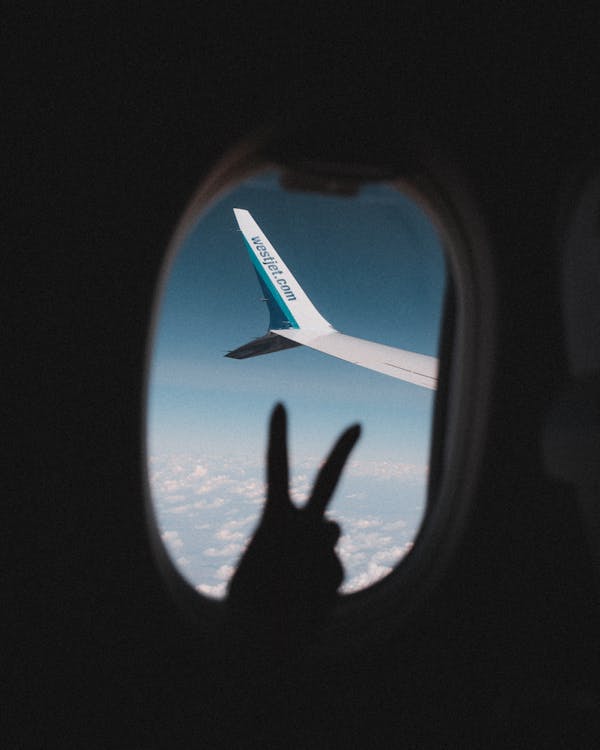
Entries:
{"x":295,"y":321}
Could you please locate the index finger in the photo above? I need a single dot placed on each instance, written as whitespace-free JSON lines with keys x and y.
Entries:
{"x":328,"y":476}
{"x":277,"y":461}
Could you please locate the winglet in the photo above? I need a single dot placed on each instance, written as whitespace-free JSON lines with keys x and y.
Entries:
{"x":289,"y":306}
{"x":295,"y":320}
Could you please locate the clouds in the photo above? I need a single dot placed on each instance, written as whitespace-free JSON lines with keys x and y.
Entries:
{"x":229,"y":534}
{"x":207,"y":510}
{"x":370,"y":549}
{"x":216,"y":590}
{"x":228,"y":550}
{"x":172,"y":539}
{"x":373,"y":573}
{"x":388,"y":470}
{"x":224,"y":572}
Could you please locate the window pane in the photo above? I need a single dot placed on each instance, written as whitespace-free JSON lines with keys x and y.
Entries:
{"x":373,"y":266}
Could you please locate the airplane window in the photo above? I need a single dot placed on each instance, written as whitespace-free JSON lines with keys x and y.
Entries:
{"x":353,"y":287}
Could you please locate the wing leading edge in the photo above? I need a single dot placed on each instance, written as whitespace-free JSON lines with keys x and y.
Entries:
{"x":295,"y":321}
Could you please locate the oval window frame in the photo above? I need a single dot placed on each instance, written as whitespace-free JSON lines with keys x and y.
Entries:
{"x":466,"y":359}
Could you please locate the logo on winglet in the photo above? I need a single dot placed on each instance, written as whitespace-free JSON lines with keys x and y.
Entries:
{"x":269,"y":263}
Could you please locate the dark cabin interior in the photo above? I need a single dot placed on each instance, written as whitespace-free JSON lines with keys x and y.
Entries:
{"x":115,"y":120}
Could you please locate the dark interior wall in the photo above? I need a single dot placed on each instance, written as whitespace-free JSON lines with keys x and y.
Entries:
{"x":116,"y":118}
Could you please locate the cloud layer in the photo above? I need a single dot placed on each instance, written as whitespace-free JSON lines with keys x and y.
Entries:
{"x":207,"y":509}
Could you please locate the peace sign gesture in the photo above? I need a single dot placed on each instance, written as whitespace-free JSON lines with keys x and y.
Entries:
{"x":290,"y":573}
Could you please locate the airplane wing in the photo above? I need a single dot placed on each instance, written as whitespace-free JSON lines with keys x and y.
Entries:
{"x":295,"y":321}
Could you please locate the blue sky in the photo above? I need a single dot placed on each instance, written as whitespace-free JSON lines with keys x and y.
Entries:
{"x":371,"y":264}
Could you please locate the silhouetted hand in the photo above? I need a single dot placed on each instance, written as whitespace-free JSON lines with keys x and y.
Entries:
{"x":289,"y":574}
